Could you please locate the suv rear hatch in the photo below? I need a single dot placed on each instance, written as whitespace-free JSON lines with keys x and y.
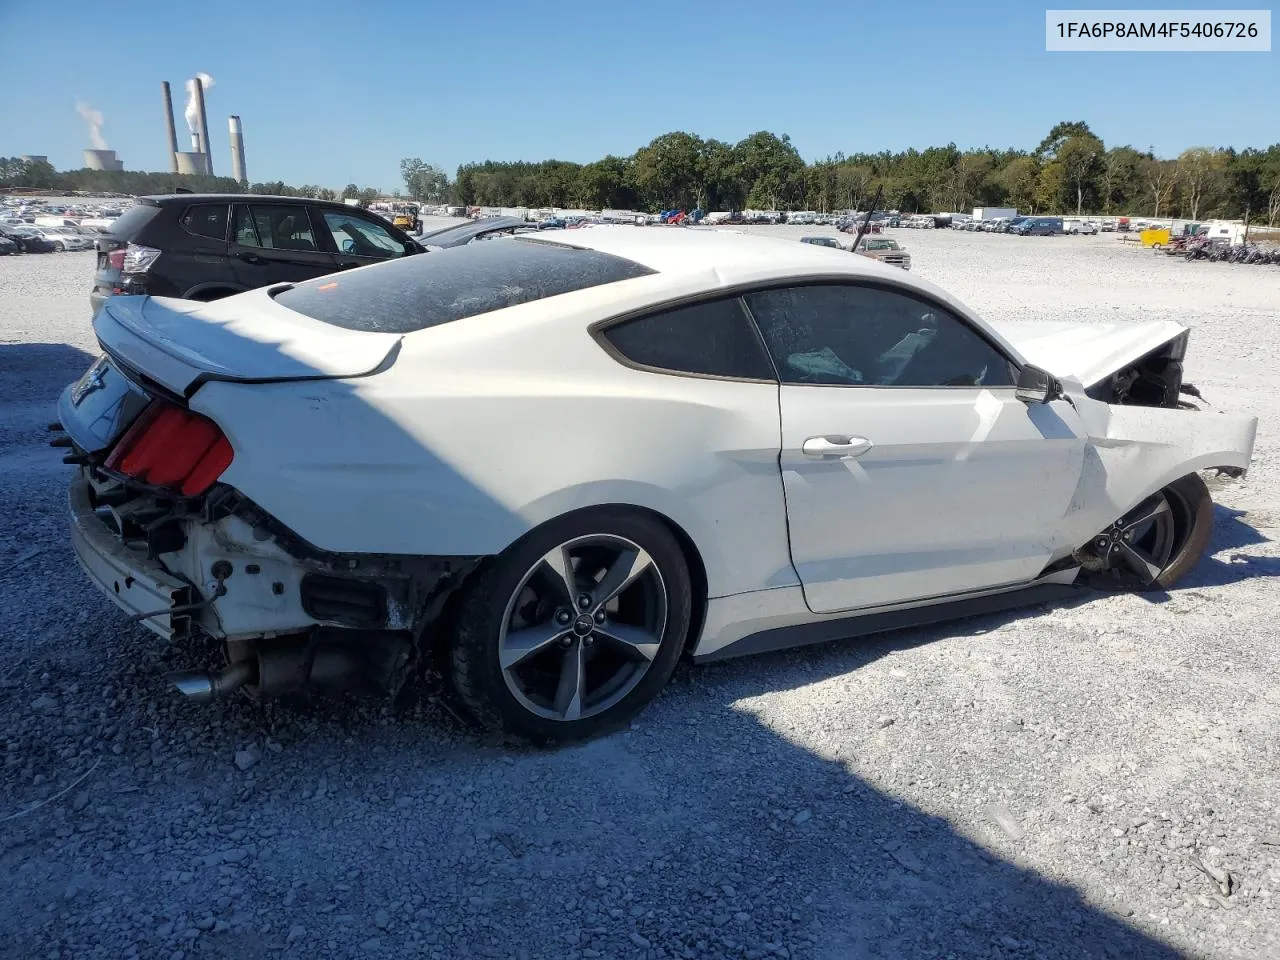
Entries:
{"x":111,"y":276}
{"x":157,"y":346}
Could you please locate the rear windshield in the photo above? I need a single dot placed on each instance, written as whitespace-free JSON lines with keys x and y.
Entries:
{"x":429,"y":289}
{"x":129,"y":224}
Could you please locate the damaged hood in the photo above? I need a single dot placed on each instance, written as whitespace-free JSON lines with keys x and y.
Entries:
{"x":248,"y":337}
{"x":1088,"y":352}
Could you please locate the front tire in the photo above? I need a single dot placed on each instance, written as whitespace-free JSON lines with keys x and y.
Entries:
{"x":1156,"y":543}
{"x":575,"y":628}
{"x":59,"y":247}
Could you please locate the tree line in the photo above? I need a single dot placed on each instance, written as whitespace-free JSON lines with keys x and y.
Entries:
{"x":1070,"y":171}
{"x":41,"y":175}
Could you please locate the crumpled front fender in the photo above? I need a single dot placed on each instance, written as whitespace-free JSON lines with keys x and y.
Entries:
{"x":1133,"y":451}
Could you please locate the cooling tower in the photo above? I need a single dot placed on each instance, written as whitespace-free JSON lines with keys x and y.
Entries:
{"x":237,"y":150}
{"x":192,"y":163}
{"x":102,"y":160}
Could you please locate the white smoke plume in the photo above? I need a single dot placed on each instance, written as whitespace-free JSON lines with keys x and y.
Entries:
{"x":93,"y":119}
{"x":192,"y":113}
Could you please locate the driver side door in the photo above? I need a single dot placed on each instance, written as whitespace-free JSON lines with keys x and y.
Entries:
{"x":910,"y":468}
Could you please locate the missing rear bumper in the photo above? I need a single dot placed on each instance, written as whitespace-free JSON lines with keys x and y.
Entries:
{"x":135,"y":584}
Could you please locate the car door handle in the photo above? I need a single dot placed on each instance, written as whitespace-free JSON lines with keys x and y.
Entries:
{"x":835,"y":447}
{"x":348,"y":264}
{"x":251,"y":258}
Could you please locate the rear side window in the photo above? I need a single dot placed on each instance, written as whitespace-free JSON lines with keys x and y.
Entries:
{"x":274,"y":227}
{"x":429,"y":289}
{"x":707,"y":339}
{"x":207,"y":220}
{"x":129,"y":224}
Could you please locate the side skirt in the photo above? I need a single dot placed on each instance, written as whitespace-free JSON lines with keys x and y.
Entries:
{"x":824,"y":631}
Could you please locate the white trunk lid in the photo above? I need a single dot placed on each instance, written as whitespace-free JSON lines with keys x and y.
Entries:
{"x":248,"y":337}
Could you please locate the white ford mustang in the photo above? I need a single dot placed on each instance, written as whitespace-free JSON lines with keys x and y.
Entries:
{"x":561,"y":461}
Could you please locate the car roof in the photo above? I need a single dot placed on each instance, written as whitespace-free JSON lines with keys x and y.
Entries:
{"x":683,"y":251}
{"x":166,"y":199}
{"x":709,"y":259}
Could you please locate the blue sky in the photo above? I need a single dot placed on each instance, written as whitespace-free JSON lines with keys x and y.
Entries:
{"x":332,"y":92}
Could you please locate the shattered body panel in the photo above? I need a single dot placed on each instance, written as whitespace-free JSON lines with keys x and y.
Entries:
{"x":1133,"y":451}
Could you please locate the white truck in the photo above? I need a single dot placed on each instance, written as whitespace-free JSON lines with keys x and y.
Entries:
{"x":994,"y":213}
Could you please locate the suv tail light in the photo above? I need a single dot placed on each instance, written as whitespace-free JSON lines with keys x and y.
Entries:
{"x":168,"y":446}
{"x":138,"y":259}
{"x":115,"y":259}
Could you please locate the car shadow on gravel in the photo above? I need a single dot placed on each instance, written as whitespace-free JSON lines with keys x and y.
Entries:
{"x":1223,"y":562}
{"x":40,"y":369}
{"x":703,"y":831}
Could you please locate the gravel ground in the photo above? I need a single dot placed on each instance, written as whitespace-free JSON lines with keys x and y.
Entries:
{"x":1086,"y":781}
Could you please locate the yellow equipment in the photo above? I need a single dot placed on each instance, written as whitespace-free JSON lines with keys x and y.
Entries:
{"x":1155,"y":237}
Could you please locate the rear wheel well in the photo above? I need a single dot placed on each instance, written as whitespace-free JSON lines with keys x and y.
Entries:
{"x":437,"y":642}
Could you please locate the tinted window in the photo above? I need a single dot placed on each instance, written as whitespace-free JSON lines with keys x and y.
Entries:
{"x":361,"y":237}
{"x":413,"y":293}
{"x":715,"y":339}
{"x":207,"y":220}
{"x":129,"y":224}
{"x":274,"y":227}
{"x":865,"y":336}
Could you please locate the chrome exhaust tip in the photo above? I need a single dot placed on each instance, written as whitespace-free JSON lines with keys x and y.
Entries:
{"x":193,"y":684}
{"x":202,"y":687}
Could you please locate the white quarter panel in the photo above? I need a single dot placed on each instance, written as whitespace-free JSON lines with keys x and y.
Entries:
{"x":1134,"y":451}
{"x":961,"y":489}
{"x":484,"y":429}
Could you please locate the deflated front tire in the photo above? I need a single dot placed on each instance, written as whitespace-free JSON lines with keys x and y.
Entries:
{"x":1156,"y":543}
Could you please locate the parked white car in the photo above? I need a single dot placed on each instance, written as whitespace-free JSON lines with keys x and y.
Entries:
{"x":563,"y":462}
{"x":1080,"y":227}
{"x":66,"y":238}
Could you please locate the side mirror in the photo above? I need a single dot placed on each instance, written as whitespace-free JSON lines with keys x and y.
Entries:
{"x":348,"y":245}
{"x":1037,"y":386}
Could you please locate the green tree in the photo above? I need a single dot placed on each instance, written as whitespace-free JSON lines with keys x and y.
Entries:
{"x":1160,"y":177}
{"x":1050,"y":184}
{"x":1118,"y":178}
{"x":350,"y":192}
{"x":1202,"y":177}
{"x":1060,"y":134}
{"x":605,"y":184}
{"x":669,"y":171}
{"x":1081,"y":158}
{"x":424,"y":181}
{"x":773,"y":168}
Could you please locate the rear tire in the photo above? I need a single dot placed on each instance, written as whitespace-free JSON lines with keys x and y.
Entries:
{"x":529,"y":659}
{"x":59,"y":247}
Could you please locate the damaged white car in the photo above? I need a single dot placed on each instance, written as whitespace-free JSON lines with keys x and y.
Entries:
{"x":561,"y":462}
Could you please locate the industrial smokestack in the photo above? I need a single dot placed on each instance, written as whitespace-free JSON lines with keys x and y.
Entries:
{"x":237,"y":149}
{"x":204,"y":126}
{"x":169,"y":127}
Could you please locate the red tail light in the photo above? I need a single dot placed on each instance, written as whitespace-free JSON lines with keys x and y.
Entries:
{"x":171,"y":447}
{"x":115,"y":259}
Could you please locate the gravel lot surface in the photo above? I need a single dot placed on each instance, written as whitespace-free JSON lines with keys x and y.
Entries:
{"x":1086,"y":781}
